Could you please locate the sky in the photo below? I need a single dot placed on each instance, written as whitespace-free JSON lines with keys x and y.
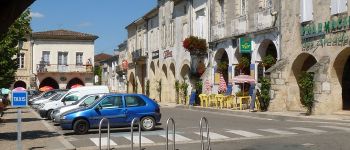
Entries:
{"x":104,"y":18}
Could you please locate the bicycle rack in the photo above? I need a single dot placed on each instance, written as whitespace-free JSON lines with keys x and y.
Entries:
{"x":201,"y":132}
{"x":167,"y":133}
{"x":132,"y":133}
{"x":108,"y":133}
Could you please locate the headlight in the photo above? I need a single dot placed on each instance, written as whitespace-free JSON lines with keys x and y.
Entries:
{"x":63,"y":117}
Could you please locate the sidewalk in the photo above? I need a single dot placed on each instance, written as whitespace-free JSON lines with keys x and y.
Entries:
{"x":35,"y":133}
{"x":339,"y":116}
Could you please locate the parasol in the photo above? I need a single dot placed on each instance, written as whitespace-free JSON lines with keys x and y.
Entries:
{"x":76,"y":85}
{"x":243,"y":79}
{"x":19,"y":89}
{"x":45,"y":88}
{"x":5,"y":91}
{"x":222,"y":84}
{"x":207,"y":86}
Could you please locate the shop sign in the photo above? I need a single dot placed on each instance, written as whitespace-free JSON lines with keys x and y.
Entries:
{"x":337,"y":39}
{"x":155,"y":54}
{"x":334,"y":25}
{"x":167,"y":54}
{"x":245,"y":45}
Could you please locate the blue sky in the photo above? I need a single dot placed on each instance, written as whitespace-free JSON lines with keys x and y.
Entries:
{"x":104,"y":18}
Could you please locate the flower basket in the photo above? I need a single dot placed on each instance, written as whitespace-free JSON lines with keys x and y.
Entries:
{"x":195,"y":45}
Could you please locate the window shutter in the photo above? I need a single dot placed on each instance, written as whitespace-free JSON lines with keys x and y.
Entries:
{"x":334,"y":7}
{"x":342,"y":6}
{"x":306,"y":10}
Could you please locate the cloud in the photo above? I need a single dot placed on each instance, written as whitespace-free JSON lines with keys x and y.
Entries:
{"x":84,"y":24}
{"x":36,"y":15}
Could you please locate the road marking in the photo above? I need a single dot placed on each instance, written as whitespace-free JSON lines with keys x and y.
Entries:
{"x":244,"y":133}
{"x":144,"y":140}
{"x":178,"y":138}
{"x":336,"y":127}
{"x":103,"y":141}
{"x":213,"y":136}
{"x":308,"y":130}
{"x":281,"y":132}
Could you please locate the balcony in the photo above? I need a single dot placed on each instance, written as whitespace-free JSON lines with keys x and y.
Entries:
{"x":239,"y":25}
{"x":218,"y":31}
{"x":263,"y":19}
{"x":139,"y":56}
{"x":45,"y":68}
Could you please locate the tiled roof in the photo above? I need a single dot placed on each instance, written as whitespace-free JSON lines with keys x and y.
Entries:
{"x":101,"y":57}
{"x":63,"y":34}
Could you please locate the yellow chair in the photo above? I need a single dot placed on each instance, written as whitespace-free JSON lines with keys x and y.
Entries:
{"x":231,"y":102}
{"x":219,"y":99}
{"x":204,"y":99}
{"x":212,"y":100}
{"x":243,"y":99}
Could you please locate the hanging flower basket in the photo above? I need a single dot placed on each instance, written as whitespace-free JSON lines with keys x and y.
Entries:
{"x":195,"y":45}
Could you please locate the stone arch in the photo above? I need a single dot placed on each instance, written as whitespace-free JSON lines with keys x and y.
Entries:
{"x":171,"y":83}
{"x":267,"y":47}
{"x":74,"y":81}
{"x":222,"y":56}
{"x":131,"y":83}
{"x":340,"y":75}
{"x":152,"y":79}
{"x":49,"y":82}
{"x":302,"y":62}
{"x":184,"y":72}
{"x":20,"y":83}
{"x":164,"y":84}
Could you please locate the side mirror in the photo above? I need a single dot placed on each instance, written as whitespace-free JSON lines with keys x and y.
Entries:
{"x":83,"y":105}
{"x":62,"y":100}
{"x":98,"y":107}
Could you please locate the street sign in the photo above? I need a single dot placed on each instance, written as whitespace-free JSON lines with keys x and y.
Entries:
{"x":19,"y":99}
{"x":245,"y":45}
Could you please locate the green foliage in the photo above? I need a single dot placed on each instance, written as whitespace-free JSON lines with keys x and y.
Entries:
{"x":184,"y":87}
{"x":199,"y":86}
{"x":147,"y":87}
{"x":177,"y":86}
{"x":8,"y":48}
{"x":265,"y":93}
{"x":268,"y":61}
{"x":98,"y":72}
{"x":306,"y":86}
{"x":222,"y":66}
{"x":243,"y":63}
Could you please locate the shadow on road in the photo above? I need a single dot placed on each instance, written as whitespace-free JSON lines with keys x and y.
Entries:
{"x":23,"y":120}
{"x":12,"y":136}
{"x":113,"y":130}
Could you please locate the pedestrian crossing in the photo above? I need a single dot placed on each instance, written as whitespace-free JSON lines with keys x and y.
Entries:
{"x":193,"y":136}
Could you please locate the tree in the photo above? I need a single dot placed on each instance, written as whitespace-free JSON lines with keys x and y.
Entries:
{"x":8,"y":48}
{"x":98,"y":72}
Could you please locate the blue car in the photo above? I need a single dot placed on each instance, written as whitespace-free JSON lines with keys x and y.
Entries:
{"x":120,"y":109}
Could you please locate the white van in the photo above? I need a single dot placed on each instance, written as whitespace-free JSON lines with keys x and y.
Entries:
{"x":70,"y":97}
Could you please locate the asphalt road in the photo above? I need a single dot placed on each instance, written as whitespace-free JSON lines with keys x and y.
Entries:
{"x":228,"y":132}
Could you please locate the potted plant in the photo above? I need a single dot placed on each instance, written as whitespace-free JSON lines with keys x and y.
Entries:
{"x":268,"y":61}
{"x":195,"y":45}
{"x":243,"y":64}
{"x":222,"y":66}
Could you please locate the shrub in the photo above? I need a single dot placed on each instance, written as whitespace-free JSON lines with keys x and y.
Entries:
{"x":264,"y":97}
{"x":268,"y":61}
{"x":147,"y":87}
{"x":306,"y":86}
{"x":195,"y":45}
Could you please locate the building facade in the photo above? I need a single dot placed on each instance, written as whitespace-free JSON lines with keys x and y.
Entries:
{"x":23,"y":77}
{"x":63,"y":58}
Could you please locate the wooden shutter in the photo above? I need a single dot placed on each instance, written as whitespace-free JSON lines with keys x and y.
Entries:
{"x":334,"y":7}
{"x":342,"y":6}
{"x":306,"y":10}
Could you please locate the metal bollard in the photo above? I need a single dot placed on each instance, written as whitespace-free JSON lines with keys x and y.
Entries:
{"x":108,"y":133}
{"x":132,"y":133}
{"x":167,"y":133}
{"x":201,"y":132}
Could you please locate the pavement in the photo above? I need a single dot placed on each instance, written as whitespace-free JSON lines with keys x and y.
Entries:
{"x":36,"y":133}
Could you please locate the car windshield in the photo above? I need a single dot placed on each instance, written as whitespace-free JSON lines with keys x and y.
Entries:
{"x":57,"y":96}
{"x":83,"y":98}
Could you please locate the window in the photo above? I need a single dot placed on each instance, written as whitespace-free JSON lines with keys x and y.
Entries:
{"x":79,"y":58}
{"x":306,"y":10}
{"x":265,"y":4}
{"x":112,"y":101}
{"x":222,"y":10}
{"x":20,"y":60}
{"x":72,"y":97}
{"x":62,"y":58}
{"x":46,"y":57}
{"x":339,"y":6}
{"x":90,"y":100}
{"x":134,"y":101}
{"x":243,"y":7}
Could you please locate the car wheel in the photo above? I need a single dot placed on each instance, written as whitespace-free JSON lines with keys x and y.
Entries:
{"x":81,"y":126}
{"x":48,"y":115}
{"x":147,"y":123}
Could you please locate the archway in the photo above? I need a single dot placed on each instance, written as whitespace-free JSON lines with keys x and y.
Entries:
{"x":342,"y":73}
{"x":20,"y":83}
{"x":184,"y":78}
{"x":74,"y":81}
{"x":152,"y":81}
{"x":222,"y":63}
{"x":266,"y":56}
{"x":164,"y":84}
{"x":171,"y":83}
{"x":302,"y":63}
{"x":49,"y":82}
{"x":131,"y":83}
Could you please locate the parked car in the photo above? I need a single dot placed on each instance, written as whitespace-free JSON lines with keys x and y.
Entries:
{"x":32,"y":93}
{"x":70,"y":97}
{"x":43,"y":95}
{"x":83,"y":102}
{"x":53,"y":97}
{"x":120,"y":109}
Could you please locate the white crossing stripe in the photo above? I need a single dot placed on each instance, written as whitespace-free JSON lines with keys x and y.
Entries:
{"x":244,"y":133}
{"x":103,"y":141}
{"x":213,"y":136}
{"x":308,"y":130}
{"x":144,"y":140}
{"x":178,"y":138}
{"x":336,"y":127}
{"x":281,"y":132}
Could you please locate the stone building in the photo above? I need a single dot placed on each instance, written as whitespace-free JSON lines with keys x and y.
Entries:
{"x":23,"y":77}
{"x":63,"y":58}
{"x":315,"y":38}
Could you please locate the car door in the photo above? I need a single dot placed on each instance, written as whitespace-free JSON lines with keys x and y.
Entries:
{"x":112,"y":108}
{"x":135,"y":107}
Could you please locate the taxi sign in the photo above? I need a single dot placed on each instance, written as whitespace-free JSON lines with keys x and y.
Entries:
{"x":19,"y":99}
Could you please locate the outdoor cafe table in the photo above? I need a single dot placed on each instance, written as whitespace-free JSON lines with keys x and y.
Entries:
{"x":241,"y":99}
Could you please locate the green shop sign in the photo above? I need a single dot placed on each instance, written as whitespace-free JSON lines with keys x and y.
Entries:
{"x":319,"y":29}
{"x":245,"y":45}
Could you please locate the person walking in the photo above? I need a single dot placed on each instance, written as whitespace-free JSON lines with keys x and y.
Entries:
{"x":253,"y":93}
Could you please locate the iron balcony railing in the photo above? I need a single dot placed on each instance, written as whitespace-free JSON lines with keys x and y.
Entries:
{"x":218,"y":31}
{"x":138,"y":55}
{"x":42,"y":68}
